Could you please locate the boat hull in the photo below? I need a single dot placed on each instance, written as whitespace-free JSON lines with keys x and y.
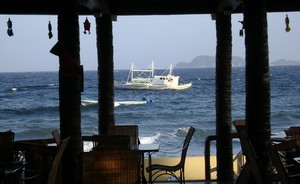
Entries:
{"x":153,"y":87}
{"x":146,"y":79}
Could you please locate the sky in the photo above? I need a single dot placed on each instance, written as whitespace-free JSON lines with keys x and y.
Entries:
{"x":168,"y":39}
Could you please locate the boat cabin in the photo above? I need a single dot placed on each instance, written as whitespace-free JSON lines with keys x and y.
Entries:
{"x":168,"y":80}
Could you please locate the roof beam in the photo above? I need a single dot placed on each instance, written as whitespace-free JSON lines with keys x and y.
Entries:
{"x":136,"y":7}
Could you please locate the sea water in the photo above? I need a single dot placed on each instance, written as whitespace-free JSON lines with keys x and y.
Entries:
{"x":30,"y":106}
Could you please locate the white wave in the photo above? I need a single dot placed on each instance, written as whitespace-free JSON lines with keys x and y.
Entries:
{"x":183,"y":129}
{"x":178,"y":132}
{"x":150,"y":140}
{"x":87,"y":146}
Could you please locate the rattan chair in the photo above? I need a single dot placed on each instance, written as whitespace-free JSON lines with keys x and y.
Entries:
{"x":157,"y":170}
{"x":131,"y":130}
{"x":37,"y":151}
{"x":113,"y":166}
{"x":111,"y":142}
{"x":10,"y":167}
{"x":251,"y":167}
{"x":56,"y":136}
{"x":285,"y":173}
{"x":6,"y":146}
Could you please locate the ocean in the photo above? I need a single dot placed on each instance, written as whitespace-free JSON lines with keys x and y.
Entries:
{"x":30,"y":106}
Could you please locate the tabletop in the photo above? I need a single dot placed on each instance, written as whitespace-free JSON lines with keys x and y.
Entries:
{"x":148,"y":147}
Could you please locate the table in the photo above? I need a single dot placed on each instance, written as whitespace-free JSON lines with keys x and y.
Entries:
{"x":147,"y":148}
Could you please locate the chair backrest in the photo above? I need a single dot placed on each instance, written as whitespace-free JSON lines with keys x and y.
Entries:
{"x":277,"y":163}
{"x":56,"y":136}
{"x":288,"y":145}
{"x":106,"y":142}
{"x":185,"y":146}
{"x":131,"y":130}
{"x":7,"y":136}
{"x":6,"y":145}
{"x":56,"y":161}
{"x":293,"y":132}
{"x":248,"y":151}
{"x":111,"y":166}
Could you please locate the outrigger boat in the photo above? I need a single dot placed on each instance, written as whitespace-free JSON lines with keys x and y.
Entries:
{"x":146,"y":79}
{"x":116,"y":104}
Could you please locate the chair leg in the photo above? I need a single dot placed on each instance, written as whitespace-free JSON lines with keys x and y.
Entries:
{"x":182,"y":177}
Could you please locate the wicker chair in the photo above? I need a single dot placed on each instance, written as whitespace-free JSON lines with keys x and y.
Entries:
{"x":251,"y":166}
{"x":131,"y":130}
{"x":111,"y":142}
{"x":293,"y":132}
{"x":285,"y":172}
{"x":10,"y":168}
{"x":157,"y":170}
{"x":111,"y":166}
{"x":56,"y":136}
{"x":6,"y":146}
{"x":42,"y":161}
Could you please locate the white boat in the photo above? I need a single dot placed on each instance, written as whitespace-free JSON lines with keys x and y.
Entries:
{"x":146,"y":79}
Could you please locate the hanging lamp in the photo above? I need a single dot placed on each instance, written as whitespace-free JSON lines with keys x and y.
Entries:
{"x":87,"y":26}
{"x":50,"y":30}
{"x":287,"y":24}
{"x":9,"y":28}
{"x":242,"y":30}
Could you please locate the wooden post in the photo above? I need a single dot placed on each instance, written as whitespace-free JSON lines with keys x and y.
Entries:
{"x":70,"y":86}
{"x":258,"y":82}
{"x":223,"y":98}
{"x":105,"y":73}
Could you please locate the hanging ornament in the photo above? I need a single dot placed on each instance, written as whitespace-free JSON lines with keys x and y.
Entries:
{"x":9,"y":28}
{"x":87,"y":26}
{"x":50,"y":30}
{"x":242,"y":30}
{"x":287,"y":23}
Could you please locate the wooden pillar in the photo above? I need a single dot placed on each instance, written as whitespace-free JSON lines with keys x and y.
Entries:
{"x":258,"y":81}
{"x":223,"y":98}
{"x":70,"y":86}
{"x":105,"y":73}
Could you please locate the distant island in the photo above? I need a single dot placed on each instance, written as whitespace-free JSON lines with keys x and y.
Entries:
{"x":284,"y":62}
{"x":205,"y":61}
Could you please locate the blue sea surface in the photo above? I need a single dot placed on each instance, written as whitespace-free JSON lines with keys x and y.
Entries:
{"x":30,"y":105}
